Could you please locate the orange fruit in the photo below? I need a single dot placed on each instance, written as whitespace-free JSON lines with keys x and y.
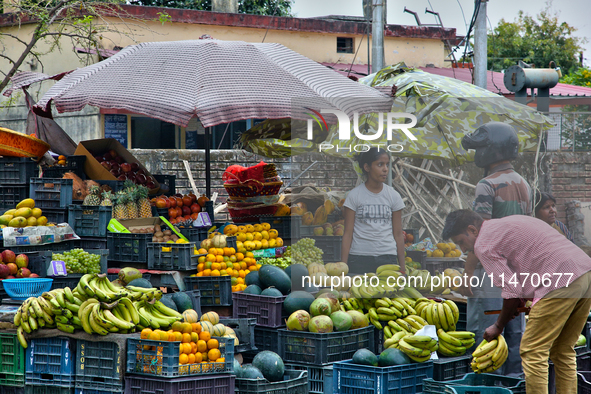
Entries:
{"x":204,"y":336}
{"x":171,"y":336}
{"x":155,"y":336}
{"x":215,"y":273}
{"x":145,"y":334}
{"x":199,"y":274}
{"x":194,"y":336}
{"x":187,"y":348}
{"x":176,"y":326}
{"x":212,"y":344}
{"x":178,"y":336}
{"x":219,"y":258}
{"x":194,"y":347}
{"x":186,"y":338}
{"x":200,"y":267}
{"x":196,"y":327}
{"x":215,"y":266}
{"x":239,"y":257}
{"x":210,"y":257}
{"x":204,"y":357}
{"x":187,"y":328}
{"x":202,"y":251}
{"x":220,"y":251}
{"x":201,"y":346}
{"x":252,"y":268}
{"x":214,"y":354}
{"x":191,"y":358}
{"x":163,"y":335}
{"x":198,"y":357}
{"x":183,"y":359}
{"x":207,"y":272}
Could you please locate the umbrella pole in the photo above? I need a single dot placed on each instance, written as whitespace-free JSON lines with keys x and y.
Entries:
{"x":207,"y":163}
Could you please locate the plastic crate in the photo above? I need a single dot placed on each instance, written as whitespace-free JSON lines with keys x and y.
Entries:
{"x":283,"y":225}
{"x":128,"y":248}
{"x":266,"y":338}
{"x":90,"y":391}
{"x":181,"y":257}
{"x":349,"y":378}
{"x":166,"y":182}
{"x":92,"y":243}
{"x":50,"y":361}
{"x":89,"y":221}
{"x":74,"y":164}
{"x":331,"y":247}
{"x":244,"y":329}
{"x":462,"y":323}
{"x":12,"y":361}
{"x":195,"y":234}
{"x":195,"y":296}
{"x":12,"y":390}
{"x":450,"y":368}
{"x":157,"y":212}
{"x":437,"y":265}
{"x":210,"y":384}
{"x":215,"y":290}
{"x":47,"y":390}
{"x":268,"y":311}
{"x":476,"y":390}
{"x":54,"y":247}
{"x":162,"y":359}
{"x":47,"y":256}
{"x":294,"y":382}
{"x":319,"y":378}
{"x":15,"y":170}
{"x":418,"y":256}
{"x":98,"y":366}
{"x":10,"y":195}
{"x":378,"y":338}
{"x":51,"y":192}
{"x":516,"y":385}
{"x":584,"y":382}
{"x":318,"y":349}
{"x":56,"y":215}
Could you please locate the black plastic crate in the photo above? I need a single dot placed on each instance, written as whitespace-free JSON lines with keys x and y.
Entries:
{"x":268,"y":311}
{"x":161,"y":358}
{"x":294,"y":382}
{"x":244,"y":329}
{"x":319,"y":349}
{"x":60,"y":282}
{"x":517,"y":386}
{"x":584,"y":382}
{"x":92,"y":243}
{"x":440,"y":264}
{"x":319,"y":378}
{"x":215,"y":290}
{"x":462,"y":323}
{"x":283,"y":225}
{"x":166,"y":182}
{"x":450,"y":368}
{"x":10,"y":195}
{"x":16,"y":170}
{"x":56,"y":215}
{"x":378,"y":338}
{"x":74,"y":164}
{"x":47,"y":390}
{"x":172,"y":257}
{"x":195,"y":296}
{"x":55,"y":247}
{"x":330,"y":246}
{"x":128,"y":248}
{"x":195,"y":234}
{"x":89,"y":221}
{"x":419,"y":256}
{"x":266,"y":338}
{"x":157,"y":212}
{"x":50,"y":362}
{"x":12,"y":361}
{"x":98,"y":366}
{"x":209,"y":384}
{"x":51,"y":192}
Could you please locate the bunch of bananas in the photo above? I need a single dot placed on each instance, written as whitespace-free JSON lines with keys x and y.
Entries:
{"x":418,"y":347}
{"x":454,"y":343}
{"x":489,"y":356}
{"x":443,"y":315}
{"x":96,"y":306}
{"x":382,"y":289}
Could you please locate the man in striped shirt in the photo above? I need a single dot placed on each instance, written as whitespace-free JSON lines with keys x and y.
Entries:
{"x":528,"y":259}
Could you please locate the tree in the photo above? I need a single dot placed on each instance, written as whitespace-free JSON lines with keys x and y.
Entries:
{"x":84,"y":23}
{"x":537,"y":41}
{"x":256,"y":7}
{"x":581,"y":77}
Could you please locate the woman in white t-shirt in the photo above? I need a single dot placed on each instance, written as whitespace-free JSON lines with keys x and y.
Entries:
{"x":373,"y":218}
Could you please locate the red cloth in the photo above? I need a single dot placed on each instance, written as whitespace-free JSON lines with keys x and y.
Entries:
{"x":236,"y":173}
{"x":517,"y":245}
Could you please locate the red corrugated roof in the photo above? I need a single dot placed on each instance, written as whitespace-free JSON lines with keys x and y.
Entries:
{"x":494,"y":79}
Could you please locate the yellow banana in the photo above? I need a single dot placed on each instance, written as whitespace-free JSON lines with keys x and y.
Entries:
{"x":419,"y":320}
{"x":500,"y":347}
{"x":480,"y":351}
{"x":413,"y":322}
{"x":454,"y":309}
{"x":395,"y":326}
{"x":462,"y":334}
{"x":412,"y":350}
{"x":446,"y":337}
{"x":449,"y":316}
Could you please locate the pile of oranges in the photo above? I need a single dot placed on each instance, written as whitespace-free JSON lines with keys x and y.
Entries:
{"x":227,"y":262}
{"x":198,"y":351}
{"x":254,"y":237}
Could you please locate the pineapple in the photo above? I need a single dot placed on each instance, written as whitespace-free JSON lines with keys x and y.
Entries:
{"x":144,"y":206}
{"x":132,"y":210}
{"x":93,"y":198}
{"x":120,"y":208}
{"x":107,"y":199}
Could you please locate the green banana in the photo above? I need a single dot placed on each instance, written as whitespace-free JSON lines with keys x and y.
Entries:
{"x":395,"y":326}
{"x":462,"y":334}
{"x":33,"y":323}
{"x":94,"y":324}
{"x":65,"y":327}
{"x":68,"y":294}
{"x":412,"y":350}
{"x":21,"y":337}
{"x":376,"y":323}
{"x":387,"y":332}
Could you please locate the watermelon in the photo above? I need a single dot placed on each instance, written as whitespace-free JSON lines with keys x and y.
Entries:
{"x":270,"y":364}
{"x":298,"y":300}
{"x":391,"y":357}
{"x":365,"y":357}
{"x":249,"y":371}
{"x":252,"y":279}
{"x":295,"y":273}
{"x":270,"y":275}
{"x":237,"y":369}
{"x":140,"y":282}
{"x":252,"y":289}
{"x":271,"y":292}
{"x":167,"y":300}
{"x":182,"y":301}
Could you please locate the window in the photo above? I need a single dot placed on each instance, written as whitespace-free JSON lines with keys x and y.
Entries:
{"x":344,"y":45}
{"x":150,"y":133}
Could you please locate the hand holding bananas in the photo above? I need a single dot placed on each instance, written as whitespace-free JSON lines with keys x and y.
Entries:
{"x":489,"y":356}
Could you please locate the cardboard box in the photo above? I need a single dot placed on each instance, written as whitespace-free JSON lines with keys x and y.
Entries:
{"x":94,"y":170}
{"x":125,"y":226}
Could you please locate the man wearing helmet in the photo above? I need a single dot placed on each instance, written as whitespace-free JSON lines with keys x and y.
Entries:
{"x":502,"y":192}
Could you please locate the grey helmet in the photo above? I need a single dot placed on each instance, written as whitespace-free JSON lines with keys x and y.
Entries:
{"x":493,"y":142}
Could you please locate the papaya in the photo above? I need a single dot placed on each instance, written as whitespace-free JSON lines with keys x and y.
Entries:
{"x":18,"y":221}
{"x":320,"y":216}
{"x":5,"y":219}
{"x":10,"y":212}
{"x":26,"y":203}
{"x":283,"y":210}
{"x":328,"y":206}
{"x":24,"y":212}
{"x":307,"y":218}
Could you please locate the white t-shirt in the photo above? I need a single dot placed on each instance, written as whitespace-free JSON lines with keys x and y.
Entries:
{"x":372,"y":233}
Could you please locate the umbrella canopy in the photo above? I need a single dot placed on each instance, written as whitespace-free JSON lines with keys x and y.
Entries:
{"x":446,"y":109}
{"x":216,"y":81}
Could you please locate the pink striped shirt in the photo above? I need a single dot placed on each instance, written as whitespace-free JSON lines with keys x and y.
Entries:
{"x":519,"y":251}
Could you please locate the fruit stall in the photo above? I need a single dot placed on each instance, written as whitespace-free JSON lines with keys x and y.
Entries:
{"x":134,"y":288}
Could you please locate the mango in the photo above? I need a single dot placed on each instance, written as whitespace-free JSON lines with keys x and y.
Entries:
{"x":26,"y":203}
{"x":10,"y":212}
{"x":42,"y":221}
{"x":5,"y":219}
{"x":37,"y":212}
{"x":329,"y":206}
{"x":32,"y":221}
{"x":18,"y":221}
{"x":24,"y":212}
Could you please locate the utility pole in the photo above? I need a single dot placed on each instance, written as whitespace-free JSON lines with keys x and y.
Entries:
{"x":377,"y":36}
{"x":480,"y":38}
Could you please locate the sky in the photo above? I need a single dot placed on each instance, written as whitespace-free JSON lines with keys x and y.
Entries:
{"x":574,"y":12}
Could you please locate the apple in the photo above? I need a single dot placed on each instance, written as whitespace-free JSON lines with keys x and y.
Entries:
{"x":22,"y":261}
{"x":106,"y":165}
{"x":141,"y":178}
{"x":10,"y":277}
{"x":34,"y":276}
{"x":4,"y":271}
{"x":12,"y":267}
{"x":8,"y":256}
{"x":135,"y":166}
{"x":122,"y":177}
{"x":23,"y":273}
{"x":125,"y":167}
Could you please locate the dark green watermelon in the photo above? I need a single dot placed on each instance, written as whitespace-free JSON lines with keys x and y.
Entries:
{"x":270,"y":364}
{"x":167,"y":300}
{"x":253,"y":279}
{"x":271,"y":292}
{"x":270,"y":275}
{"x":140,"y":282}
{"x":298,"y":300}
{"x":252,"y":289}
{"x":365,"y":357}
{"x":296,"y":272}
{"x":249,"y":371}
{"x":391,"y":357}
{"x":182,"y":301}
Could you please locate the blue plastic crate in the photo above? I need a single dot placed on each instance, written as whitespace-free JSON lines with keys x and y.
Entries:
{"x":349,"y":378}
{"x":517,"y":386}
{"x":172,"y":257}
{"x":22,"y":288}
{"x":319,"y":378}
{"x":50,"y":361}
{"x":207,"y":384}
{"x":51,"y":192}
{"x":450,"y":368}
{"x":294,"y":382}
{"x":89,"y":221}
{"x":160,"y":358}
{"x":98,"y":366}
{"x":214,"y":290}
{"x":477,"y":390}
{"x":90,"y":391}
{"x":16,"y":170}
{"x":46,"y":390}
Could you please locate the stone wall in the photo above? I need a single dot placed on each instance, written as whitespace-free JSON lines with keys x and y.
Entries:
{"x":570,"y":179}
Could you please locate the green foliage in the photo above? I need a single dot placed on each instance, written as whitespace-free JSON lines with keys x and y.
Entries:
{"x":575,"y":124}
{"x":537,"y":41}
{"x":581,"y":77}
{"x":256,"y":7}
